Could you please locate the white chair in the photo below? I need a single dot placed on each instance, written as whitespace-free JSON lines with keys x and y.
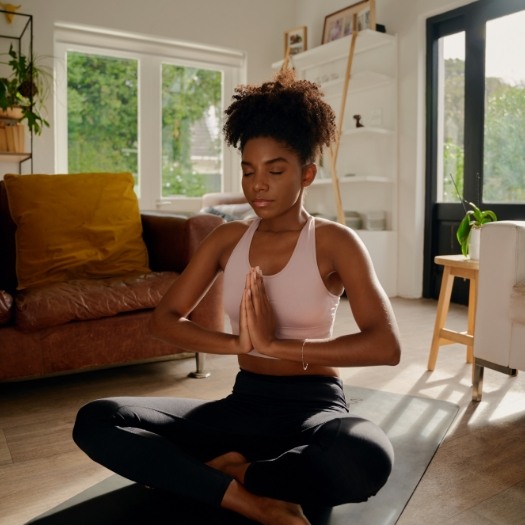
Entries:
{"x":499,"y":338}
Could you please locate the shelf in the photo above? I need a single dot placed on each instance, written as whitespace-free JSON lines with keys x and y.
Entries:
{"x":360,"y":81}
{"x":367,"y":131}
{"x":366,"y":40}
{"x":353,"y":179}
{"x":20,"y":36}
{"x":374,"y":232}
{"x":14,"y":157}
{"x":366,"y":166}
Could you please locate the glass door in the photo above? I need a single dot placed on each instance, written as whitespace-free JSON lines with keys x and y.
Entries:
{"x":504,"y":129}
{"x":476,"y":129}
{"x":451,"y":125}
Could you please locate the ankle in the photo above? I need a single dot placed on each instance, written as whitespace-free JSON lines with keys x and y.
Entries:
{"x":267,"y":511}
{"x":232,"y":463}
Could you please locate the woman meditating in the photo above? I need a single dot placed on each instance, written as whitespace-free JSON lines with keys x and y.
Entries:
{"x":284,"y":437}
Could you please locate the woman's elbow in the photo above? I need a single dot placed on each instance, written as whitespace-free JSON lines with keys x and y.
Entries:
{"x":164,"y":325}
{"x":157,"y":324}
{"x":394,"y":354}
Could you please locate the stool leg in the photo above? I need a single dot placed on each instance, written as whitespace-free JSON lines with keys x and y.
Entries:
{"x":441,"y":315}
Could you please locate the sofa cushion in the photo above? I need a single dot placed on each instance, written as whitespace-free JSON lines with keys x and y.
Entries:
{"x":84,"y":299}
{"x":6,"y":307}
{"x":75,"y":226}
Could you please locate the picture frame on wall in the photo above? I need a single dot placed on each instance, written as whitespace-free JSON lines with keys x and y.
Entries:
{"x":295,"y":41}
{"x":341,"y":23}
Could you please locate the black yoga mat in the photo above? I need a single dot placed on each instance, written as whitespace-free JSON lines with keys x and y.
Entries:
{"x":415,"y":425}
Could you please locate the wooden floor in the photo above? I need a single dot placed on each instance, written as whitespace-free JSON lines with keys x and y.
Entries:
{"x":477,"y":477}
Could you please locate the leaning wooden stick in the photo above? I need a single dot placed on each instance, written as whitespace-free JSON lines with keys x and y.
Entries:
{"x":334,"y":149}
{"x":286,"y":58}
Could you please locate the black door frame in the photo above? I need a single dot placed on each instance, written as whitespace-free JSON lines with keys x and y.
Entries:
{"x":445,"y":217}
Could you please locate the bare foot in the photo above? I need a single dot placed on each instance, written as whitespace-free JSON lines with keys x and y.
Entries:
{"x":267,"y":511}
{"x":283,"y":513}
{"x":232,"y":463}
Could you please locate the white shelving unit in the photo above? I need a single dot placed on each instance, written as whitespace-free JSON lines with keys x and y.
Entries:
{"x":367,"y":161}
{"x":17,"y":33}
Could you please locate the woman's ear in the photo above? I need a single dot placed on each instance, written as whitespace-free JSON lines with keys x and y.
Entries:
{"x":309,"y":173}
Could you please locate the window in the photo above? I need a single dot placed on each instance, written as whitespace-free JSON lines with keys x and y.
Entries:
{"x":102,"y":113}
{"x":152,"y":107}
{"x":191,"y":124}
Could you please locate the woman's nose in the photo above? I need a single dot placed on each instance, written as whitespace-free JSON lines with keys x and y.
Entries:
{"x":260,"y":182}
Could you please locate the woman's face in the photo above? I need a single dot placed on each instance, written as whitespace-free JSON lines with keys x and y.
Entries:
{"x":273,"y":177}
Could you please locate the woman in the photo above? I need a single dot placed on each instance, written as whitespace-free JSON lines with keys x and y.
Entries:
{"x":284,"y":436}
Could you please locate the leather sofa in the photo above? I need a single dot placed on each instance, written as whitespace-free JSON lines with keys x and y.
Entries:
{"x":500,"y":309}
{"x":91,"y":323}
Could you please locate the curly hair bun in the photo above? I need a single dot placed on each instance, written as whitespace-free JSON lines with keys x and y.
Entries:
{"x":286,"y":109}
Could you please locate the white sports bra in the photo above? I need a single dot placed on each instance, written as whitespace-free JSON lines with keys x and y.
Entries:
{"x":303,"y":306}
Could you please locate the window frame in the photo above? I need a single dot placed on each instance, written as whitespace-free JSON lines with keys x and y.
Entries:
{"x":151,"y":53}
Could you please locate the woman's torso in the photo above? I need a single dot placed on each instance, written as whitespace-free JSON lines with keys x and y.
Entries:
{"x":303,"y":306}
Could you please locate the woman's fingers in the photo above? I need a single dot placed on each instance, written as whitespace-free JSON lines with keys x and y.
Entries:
{"x":245,"y":341}
{"x":259,"y":312}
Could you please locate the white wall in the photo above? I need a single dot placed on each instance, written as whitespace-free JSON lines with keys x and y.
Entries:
{"x":257,"y":27}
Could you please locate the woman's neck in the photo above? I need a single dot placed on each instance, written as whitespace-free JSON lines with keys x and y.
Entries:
{"x":285,"y":223}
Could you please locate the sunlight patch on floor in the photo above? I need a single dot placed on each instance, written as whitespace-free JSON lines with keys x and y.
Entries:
{"x":506,"y":408}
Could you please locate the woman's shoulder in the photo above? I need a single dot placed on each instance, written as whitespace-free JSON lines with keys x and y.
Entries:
{"x":232,"y":229}
{"x":333,"y":237}
{"x":225,"y":237}
{"x":340,"y":249}
{"x":329,"y":228}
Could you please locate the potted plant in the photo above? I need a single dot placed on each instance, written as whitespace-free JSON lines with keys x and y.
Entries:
{"x":25,"y":89}
{"x":469,"y":228}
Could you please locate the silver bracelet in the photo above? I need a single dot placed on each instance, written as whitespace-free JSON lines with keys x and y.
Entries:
{"x":305,"y":366}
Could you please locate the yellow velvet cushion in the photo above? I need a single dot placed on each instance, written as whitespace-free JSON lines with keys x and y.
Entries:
{"x":75,"y":226}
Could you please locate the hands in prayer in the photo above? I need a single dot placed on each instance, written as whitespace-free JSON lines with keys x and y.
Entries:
{"x":257,"y":320}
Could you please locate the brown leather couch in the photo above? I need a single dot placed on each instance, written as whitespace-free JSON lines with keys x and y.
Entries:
{"x":90,"y":324}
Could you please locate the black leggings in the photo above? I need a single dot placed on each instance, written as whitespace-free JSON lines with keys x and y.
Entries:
{"x":296,"y":432}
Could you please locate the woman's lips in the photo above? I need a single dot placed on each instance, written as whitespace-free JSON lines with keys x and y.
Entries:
{"x":261,"y":203}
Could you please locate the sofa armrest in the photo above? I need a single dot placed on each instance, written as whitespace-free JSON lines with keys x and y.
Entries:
{"x":172,"y":239}
{"x":501,"y":266}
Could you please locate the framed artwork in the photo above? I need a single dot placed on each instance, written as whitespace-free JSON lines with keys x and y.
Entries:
{"x":295,"y":41}
{"x":358,"y":16}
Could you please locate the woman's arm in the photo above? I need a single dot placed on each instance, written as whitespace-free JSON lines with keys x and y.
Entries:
{"x":376,"y":342}
{"x":169,"y":320}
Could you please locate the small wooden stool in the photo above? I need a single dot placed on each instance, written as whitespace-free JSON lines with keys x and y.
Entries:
{"x":454,"y":266}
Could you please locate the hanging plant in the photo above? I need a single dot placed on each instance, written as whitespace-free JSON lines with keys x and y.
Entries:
{"x":25,"y":88}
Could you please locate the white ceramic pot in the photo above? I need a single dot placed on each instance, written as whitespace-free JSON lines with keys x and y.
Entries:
{"x":473,"y":243}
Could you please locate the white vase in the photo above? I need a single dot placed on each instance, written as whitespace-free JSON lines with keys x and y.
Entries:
{"x":473,"y":243}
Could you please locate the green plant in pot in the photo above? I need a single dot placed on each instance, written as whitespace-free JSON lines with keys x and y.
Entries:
{"x":25,"y":88}
{"x":474,"y":218}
